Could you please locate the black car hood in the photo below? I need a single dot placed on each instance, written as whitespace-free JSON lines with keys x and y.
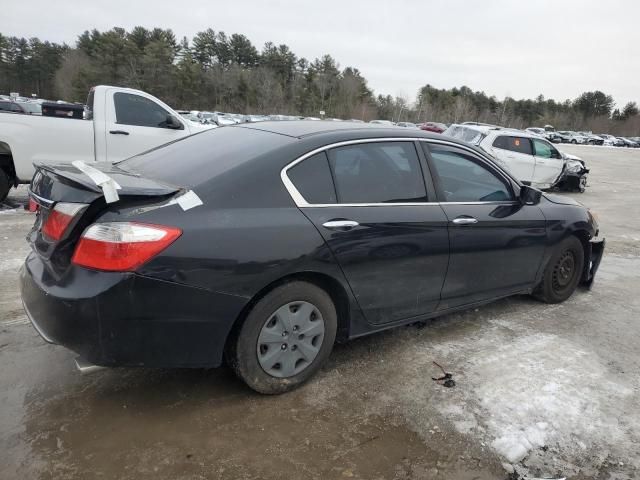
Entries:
{"x":561,"y":200}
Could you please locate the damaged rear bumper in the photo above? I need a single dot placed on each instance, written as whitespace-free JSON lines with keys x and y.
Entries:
{"x":596,"y":250}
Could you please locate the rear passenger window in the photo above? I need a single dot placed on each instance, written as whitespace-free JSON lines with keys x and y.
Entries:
{"x":464,"y":179}
{"x":380,"y":172}
{"x":312,"y":179}
{"x":513,"y":144}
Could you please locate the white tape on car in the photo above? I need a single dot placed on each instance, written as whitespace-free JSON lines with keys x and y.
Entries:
{"x":108,"y":185}
{"x":187,"y":200}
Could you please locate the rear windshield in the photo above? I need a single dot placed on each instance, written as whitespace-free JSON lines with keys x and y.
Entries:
{"x":193,"y":160}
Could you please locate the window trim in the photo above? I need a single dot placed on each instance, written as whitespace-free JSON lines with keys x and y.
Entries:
{"x":301,"y":202}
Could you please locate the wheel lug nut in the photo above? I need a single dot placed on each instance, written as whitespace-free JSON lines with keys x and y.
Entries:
{"x":284,"y":346}
{"x":295,"y":328}
{"x":285,"y":333}
{"x":294,"y":347}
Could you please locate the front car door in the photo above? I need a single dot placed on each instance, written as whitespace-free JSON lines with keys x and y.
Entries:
{"x":381,"y":223}
{"x":515,"y":155}
{"x":549,"y":164}
{"x":136,"y":124}
{"x":496,"y":242}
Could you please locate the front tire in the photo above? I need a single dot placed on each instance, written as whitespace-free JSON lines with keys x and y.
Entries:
{"x":563,"y":272}
{"x":285,"y":339}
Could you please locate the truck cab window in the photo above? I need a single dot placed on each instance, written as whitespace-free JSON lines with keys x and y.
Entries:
{"x":139,"y":111}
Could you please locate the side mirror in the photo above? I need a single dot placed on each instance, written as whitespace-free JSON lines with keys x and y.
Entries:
{"x":530,"y":195}
{"x":173,"y":123}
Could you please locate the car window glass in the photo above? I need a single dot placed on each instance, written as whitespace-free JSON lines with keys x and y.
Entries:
{"x":136,"y":110}
{"x":380,"y":172}
{"x":464,"y":179}
{"x":513,"y":144}
{"x":312,"y":178}
{"x":545,"y":150}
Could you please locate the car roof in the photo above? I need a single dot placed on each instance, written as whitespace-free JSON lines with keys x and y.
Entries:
{"x":307,"y":128}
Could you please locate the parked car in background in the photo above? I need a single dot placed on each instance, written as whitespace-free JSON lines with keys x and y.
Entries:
{"x":188,"y":266}
{"x":383,"y":122}
{"x":629,"y":143}
{"x":120,"y":122}
{"x":192,"y":117}
{"x":529,"y":157}
{"x":536,"y":130}
{"x":592,"y":139}
{"x":558,"y":137}
{"x":611,"y":141}
{"x":256,"y":118}
{"x":9,"y":106}
{"x":433,"y":127}
{"x":406,"y":125}
{"x":574,"y":137}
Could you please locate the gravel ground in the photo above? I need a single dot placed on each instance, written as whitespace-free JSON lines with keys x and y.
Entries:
{"x":542,"y":391}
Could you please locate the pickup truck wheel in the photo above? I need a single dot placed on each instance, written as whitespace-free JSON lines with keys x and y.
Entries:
{"x":563,"y":272}
{"x":285,"y":339}
{"x":5,"y":186}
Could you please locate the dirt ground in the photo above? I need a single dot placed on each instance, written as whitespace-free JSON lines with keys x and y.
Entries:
{"x":546,"y":391}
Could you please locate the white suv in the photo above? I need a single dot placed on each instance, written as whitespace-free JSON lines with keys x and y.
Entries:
{"x":529,"y":157}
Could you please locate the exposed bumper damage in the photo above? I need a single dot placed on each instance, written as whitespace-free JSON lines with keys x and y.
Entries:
{"x":574,"y":176}
{"x":596,"y":250}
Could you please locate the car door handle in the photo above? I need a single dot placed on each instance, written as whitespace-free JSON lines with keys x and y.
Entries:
{"x":340,"y":224}
{"x":118,"y":132}
{"x":465,"y":220}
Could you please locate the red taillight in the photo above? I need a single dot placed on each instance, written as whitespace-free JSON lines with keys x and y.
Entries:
{"x":122,"y":246}
{"x":60,"y":218}
{"x":33,"y":205}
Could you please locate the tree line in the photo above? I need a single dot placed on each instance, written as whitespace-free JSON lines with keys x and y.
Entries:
{"x":216,"y":71}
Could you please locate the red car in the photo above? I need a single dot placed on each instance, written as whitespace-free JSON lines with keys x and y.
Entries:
{"x":433,"y":127}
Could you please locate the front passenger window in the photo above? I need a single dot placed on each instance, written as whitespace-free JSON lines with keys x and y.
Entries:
{"x":463,"y":178}
{"x":545,"y":150}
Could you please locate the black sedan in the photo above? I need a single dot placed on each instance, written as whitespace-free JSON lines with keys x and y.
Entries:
{"x":263,"y":244}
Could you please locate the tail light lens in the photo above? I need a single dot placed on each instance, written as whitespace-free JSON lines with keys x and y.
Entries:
{"x":122,"y":246}
{"x":33,"y":205}
{"x":60,"y":218}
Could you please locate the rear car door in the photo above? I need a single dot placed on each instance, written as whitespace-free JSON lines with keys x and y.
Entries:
{"x":136,"y":124}
{"x":549,"y":163}
{"x":381,"y":223}
{"x":496,"y":241}
{"x":516,"y":155}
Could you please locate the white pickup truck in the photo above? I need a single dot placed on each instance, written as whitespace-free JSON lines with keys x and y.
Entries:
{"x":119,"y":123}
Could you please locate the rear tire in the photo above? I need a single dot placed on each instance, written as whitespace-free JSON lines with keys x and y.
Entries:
{"x":270,"y":351}
{"x":563,"y":272}
{"x":5,"y":186}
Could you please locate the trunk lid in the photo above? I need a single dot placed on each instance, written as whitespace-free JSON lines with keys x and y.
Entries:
{"x":65,"y":184}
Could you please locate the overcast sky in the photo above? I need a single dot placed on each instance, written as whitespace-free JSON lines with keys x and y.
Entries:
{"x":519,"y":48}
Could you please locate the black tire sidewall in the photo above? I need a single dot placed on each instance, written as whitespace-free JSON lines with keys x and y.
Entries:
{"x":243,"y":356}
{"x":4,"y":185}
{"x":547,"y":293}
